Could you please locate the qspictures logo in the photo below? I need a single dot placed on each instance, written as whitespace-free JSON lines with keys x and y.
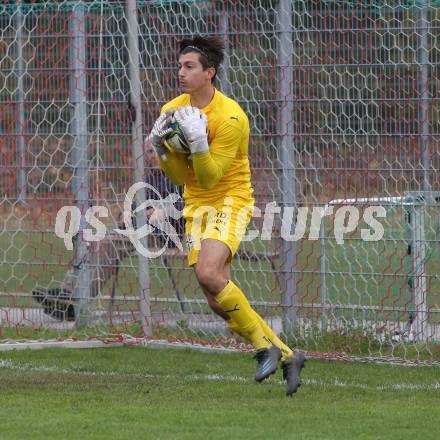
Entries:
{"x":158,"y":214}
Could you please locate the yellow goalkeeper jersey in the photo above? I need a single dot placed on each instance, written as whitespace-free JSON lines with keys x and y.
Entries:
{"x":228,"y":137}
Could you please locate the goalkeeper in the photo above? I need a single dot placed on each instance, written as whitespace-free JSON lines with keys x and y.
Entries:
{"x":218,"y":196}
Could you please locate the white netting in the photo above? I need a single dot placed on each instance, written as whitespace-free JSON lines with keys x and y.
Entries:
{"x":342,"y":99}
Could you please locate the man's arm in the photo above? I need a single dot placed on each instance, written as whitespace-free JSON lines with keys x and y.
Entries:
{"x":211,"y":166}
{"x":174,"y":164}
{"x":175,"y":167}
{"x":210,"y":162}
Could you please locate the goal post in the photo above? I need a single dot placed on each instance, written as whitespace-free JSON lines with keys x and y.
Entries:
{"x":420,"y":249}
{"x":412,"y":208}
{"x":80,"y":162}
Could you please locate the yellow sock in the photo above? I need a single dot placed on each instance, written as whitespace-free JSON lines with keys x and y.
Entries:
{"x":233,"y":327}
{"x":232,"y":300}
{"x":286,"y":352}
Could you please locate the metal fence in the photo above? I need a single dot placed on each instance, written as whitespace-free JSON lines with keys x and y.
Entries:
{"x":343,"y":103}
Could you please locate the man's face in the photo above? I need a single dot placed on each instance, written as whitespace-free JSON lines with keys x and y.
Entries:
{"x":192,"y":77}
{"x":151,"y":156}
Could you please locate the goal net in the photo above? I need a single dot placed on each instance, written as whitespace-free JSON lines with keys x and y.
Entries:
{"x":343,"y":252}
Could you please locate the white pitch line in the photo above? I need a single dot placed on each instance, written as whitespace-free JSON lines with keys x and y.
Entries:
{"x":339,"y":383}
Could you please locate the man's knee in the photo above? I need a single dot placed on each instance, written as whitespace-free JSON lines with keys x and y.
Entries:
{"x":204,"y":274}
{"x":210,"y":278}
{"x":216,"y":308}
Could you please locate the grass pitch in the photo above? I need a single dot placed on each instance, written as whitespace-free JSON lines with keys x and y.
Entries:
{"x":139,"y":393}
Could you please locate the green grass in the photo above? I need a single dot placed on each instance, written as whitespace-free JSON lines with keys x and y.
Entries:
{"x":140,"y":393}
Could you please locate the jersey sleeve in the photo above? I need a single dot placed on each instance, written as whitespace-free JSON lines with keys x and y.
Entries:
{"x":175,"y":167}
{"x":210,"y":167}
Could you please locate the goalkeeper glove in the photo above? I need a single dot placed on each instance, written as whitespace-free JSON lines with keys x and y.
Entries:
{"x":194,"y":125}
{"x":160,"y":129}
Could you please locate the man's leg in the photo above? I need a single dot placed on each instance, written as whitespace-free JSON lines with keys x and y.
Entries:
{"x":286,"y":352}
{"x":211,"y":276}
{"x":234,"y":327}
{"x":291,"y":363}
{"x":214,"y":305}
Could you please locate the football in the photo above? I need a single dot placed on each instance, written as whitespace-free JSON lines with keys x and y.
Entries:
{"x":176,"y":139}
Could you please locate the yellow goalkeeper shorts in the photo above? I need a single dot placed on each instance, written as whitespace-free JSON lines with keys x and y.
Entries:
{"x":225,"y":220}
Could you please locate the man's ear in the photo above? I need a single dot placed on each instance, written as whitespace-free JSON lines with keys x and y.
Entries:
{"x":211,"y":72}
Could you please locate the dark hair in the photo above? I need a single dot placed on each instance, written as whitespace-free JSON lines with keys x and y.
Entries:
{"x":210,"y":50}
